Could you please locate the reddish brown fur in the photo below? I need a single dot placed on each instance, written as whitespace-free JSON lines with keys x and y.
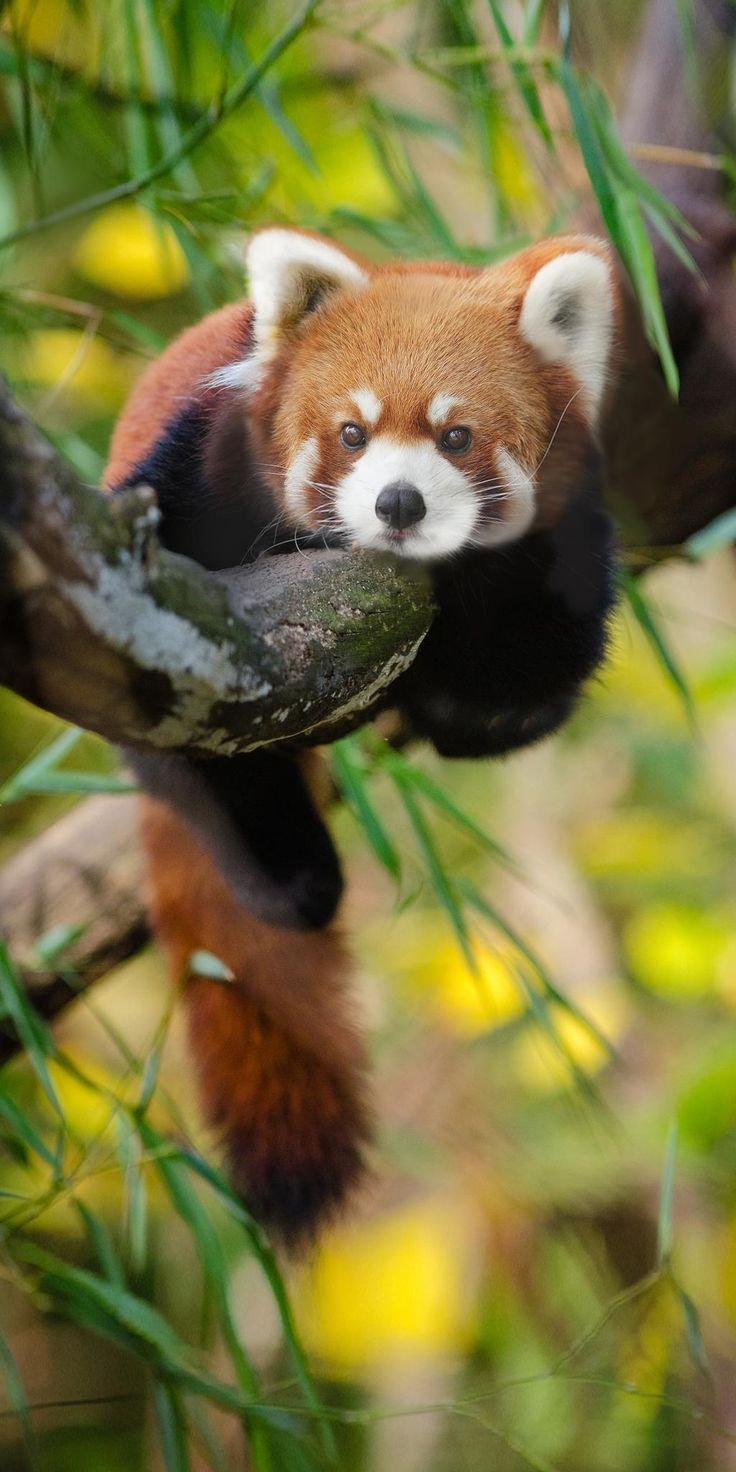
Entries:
{"x":425,"y":328}
{"x":279,"y":1062}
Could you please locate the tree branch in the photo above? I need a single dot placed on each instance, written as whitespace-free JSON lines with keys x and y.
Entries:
{"x":85,"y":874}
{"x":103,"y":627}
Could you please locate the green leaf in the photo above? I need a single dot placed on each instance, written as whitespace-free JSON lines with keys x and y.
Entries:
{"x":693,"y":1335}
{"x":522,"y":76}
{"x":536,"y":972}
{"x":136,"y":1198}
{"x":648,"y":624}
{"x":718,"y":533}
{"x":31,"y":1031}
{"x":532,"y":21}
{"x":351,"y":780}
{"x":17,"y":1398}
{"x":114,"y":1309}
{"x":20,"y":1124}
{"x":55,"y":941}
{"x":102,"y":1244}
{"x":666,"y":1196}
{"x":172,"y":1426}
{"x":437,"y":795}
{"x":439,"y":879}
{"x":23,"y":782}
{"x":203,"y":963}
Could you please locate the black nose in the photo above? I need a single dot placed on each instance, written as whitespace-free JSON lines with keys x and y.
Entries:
{"x":400,"y":505}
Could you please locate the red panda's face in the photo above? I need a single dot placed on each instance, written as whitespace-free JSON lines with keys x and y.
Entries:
{"x":425,"y":410}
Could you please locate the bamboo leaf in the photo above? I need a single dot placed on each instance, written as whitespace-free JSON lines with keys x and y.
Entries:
{"x":666,"y":1196}
{"x":648,"y":624}
{"x":718,"y":533}
{"x":351,"y":781}
{"x":172,"y":1426}
{"x":18,"y":1401}
{"x":31,"y":1031}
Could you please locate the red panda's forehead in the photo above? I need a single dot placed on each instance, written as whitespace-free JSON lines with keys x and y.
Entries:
{"x":408,"y":341}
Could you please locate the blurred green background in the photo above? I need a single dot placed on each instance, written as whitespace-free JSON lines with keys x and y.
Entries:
{"x":542,"y":1271}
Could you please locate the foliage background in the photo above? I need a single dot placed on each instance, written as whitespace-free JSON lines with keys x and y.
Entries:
{"x":543,"y":1271}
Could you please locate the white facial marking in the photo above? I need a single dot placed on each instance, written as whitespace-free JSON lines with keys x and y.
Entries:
{"x":245,"y":374}
{"x":452,"y":505}
{"x":517,"y":504}
{"x":368,"y":404}
{"x":285,"y":268}
{"x":440,"y":407}
{"x":300,"y":470}
{"x":567,"y":316}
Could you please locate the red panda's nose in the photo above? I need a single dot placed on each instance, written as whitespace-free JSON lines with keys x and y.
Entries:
{"x":400,"y":505}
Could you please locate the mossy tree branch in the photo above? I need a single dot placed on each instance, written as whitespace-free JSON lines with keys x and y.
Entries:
{"x":103,"y":627}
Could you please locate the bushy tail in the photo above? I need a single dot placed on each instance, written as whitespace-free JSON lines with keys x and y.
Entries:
{"x":280,"y":1064}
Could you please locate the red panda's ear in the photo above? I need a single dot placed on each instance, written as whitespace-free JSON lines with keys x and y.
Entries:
{"x":568,"y":315}
{"x":290,"y":273}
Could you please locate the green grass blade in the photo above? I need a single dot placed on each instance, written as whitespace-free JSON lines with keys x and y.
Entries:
{"x":102,"y":1244}
{"x":18,"y":1402}
{"x":351,"y":780}
{"x":114,"y":1305}
{"x":23,"y":1130}
{"x":442,"y":885}
{"x":32,"y":1033}
{"x":438,"y":797}
{"x":693,"y":1334}
{"x":522,"y":76}
{"x":536,"y":967}
{"x":532,"y":22}
{"x":711,"y":538}
{"x":172,"y":1427}
{"x":23,"y":781}
{"x":650,"y":628}
{"x":666,"y":1198}
{"x":134,"y":1193}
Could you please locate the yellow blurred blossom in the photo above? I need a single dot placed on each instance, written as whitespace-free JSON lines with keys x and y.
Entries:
{"x":82,"y":368}
{"x":467,"y":1003}
{"x":57,"y":28}
{"x":512,"y":174}
{"x":727,"y":1266}
{"x":635,"y":843}
{"x":88,"y":1108}
{"x":645,"y":1358}
{"x":676,"y":950}
{"x":547,"y":1062}
{"x":128,"y":251}
{"x":470,"y":1003}
{"x":389,"y":1291}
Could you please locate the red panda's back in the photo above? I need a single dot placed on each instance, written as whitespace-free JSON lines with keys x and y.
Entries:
{"x":174,"y":379}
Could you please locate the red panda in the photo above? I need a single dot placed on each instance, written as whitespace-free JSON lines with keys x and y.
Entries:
{"x":426,"y":411}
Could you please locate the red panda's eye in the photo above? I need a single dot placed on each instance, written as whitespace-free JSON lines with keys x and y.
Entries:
{"x":352,"y":436}
{"x":457,"y":439}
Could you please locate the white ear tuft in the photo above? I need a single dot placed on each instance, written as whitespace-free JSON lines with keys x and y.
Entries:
{"x":289,"y":272}
{"x":567,"y":315}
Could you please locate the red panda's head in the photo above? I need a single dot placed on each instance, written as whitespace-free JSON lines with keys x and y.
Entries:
{"x":423,"y":409}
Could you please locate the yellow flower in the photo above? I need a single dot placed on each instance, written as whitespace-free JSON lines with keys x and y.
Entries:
{"x":84,"y":369}
{"x":389,"y":1291}
{"x":548,"y":1063}
{"x":56,"y":28}
{"x":467,"y":1003}
{"x":629,"y":844}
{"x":675,"y":950}
{"x":128,"y":251}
